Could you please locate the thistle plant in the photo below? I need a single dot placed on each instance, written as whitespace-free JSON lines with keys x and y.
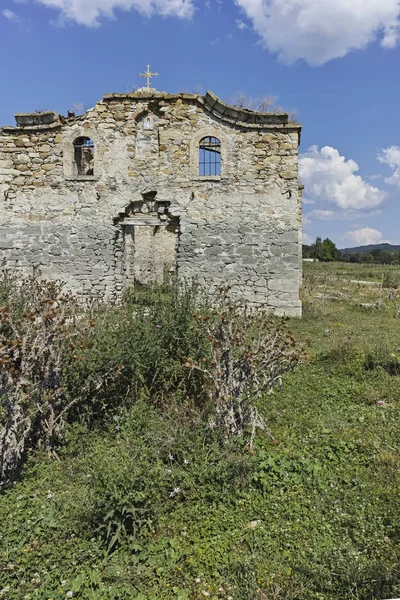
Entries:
{"x":249,"y":353}
{"x":36,"y":324}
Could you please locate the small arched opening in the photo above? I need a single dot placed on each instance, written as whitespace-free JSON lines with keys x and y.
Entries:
{"x":210,"y":156}
{"x":84,"y":156}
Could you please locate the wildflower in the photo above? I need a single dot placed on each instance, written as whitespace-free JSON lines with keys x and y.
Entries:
{"x":174,"y":492}
{"x":186,"y":461}
{"x":70,"y":594}
{"x":381,"y":403}
{"x":50,"y":495}
{"x":168,"y":470}
{"x":197,"y":580}
{"x":205,"y":593}
{"x":170,"y":456}
{"x":158,"y":326}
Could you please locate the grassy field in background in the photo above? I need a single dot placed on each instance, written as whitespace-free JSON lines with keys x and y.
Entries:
{"x":352,"y":271}
{"x":312,"y":514}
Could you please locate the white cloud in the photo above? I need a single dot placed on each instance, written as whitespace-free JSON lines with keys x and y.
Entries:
{"x":323,"y":215}
{"x":89,"y":12}
{"x":364,"y":236}
{"x":10,"y":15}
{"x":335,"y":215}
{"x":241,"y":24}
{"x":320,"y":30}
{"x":391,"y":156}
{"x":328,"y":177}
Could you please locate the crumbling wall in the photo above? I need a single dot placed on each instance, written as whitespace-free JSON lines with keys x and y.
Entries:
{"x":241,"y":228}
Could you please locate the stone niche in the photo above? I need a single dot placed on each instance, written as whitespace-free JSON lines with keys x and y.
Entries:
{"x":150,"y":240}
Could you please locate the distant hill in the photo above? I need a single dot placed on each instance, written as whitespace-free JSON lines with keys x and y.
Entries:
{"x":369,"y":248}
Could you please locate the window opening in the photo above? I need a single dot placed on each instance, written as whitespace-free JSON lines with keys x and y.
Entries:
{"x":84,"y":156}
{"x":210,"y":156}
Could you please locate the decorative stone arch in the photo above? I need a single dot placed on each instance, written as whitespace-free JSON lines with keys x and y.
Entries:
{"x":69,"y":138}
{"x":150,"y":240}
{"x":194,"y":151}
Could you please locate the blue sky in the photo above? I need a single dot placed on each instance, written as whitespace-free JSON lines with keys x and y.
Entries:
{"x":335,"y":61}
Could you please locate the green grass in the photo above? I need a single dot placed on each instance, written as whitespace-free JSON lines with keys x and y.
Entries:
{"x":367,"y":272}
{"x":313,"y":514}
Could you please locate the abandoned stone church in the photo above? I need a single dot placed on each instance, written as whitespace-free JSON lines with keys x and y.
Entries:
{"x":149,"y":183}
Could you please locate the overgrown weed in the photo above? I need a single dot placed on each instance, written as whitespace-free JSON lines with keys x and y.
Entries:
{"x":153,"y":505}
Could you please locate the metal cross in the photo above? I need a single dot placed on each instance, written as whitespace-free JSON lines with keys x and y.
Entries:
{"x":148,"y":76}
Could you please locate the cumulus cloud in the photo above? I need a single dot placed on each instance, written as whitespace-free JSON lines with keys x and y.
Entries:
{"x":89,"y":12}
{"x":364,"y":236}
{"x":391,"y":156}
{"x":320,"y":30}
{"x":330,"y":178}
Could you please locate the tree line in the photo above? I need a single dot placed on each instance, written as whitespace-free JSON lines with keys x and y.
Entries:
{"x":326,"y":251}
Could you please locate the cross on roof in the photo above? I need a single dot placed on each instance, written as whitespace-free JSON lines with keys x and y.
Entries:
{"x":148,"y":76}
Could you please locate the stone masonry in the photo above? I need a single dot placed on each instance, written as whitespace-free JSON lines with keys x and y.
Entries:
{"x":139,"y":208}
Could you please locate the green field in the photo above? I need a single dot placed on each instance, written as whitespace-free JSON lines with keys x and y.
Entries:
{"x":310,"y":514}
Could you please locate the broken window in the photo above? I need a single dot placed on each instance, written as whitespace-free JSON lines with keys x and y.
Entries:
{"x":84,"y":156}
{"x":210,"y":156}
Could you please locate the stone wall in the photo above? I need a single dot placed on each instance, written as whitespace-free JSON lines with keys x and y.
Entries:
{"x":241,"y":228}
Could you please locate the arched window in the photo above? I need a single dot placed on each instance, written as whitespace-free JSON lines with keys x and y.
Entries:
{"x":210,"y":156}
{"x":84,"y":156}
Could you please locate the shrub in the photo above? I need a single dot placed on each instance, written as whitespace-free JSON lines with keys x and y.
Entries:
{"x":37,"y":319}
{"x":390,"y":280}
{"x":138,"y":350}
{"x":62,"y":363}
{"x":390,"y":364}
{"x":250,"y":352}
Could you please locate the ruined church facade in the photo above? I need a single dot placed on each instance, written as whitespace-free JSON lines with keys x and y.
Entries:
{"x":146,"y":184}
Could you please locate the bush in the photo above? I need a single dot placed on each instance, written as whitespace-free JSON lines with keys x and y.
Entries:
{"x":138,"y":350}
{"x":151,"y":463}
{"x":390,"y":280}
{"x":166,"y":345}
{"x":37,"y":322}
{"x":250,"y":352}
{"x":59,"y":362}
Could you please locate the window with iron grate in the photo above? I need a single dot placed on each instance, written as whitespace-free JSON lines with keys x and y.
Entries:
{"x":210,"y":157}
{"x":84,"y":156}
